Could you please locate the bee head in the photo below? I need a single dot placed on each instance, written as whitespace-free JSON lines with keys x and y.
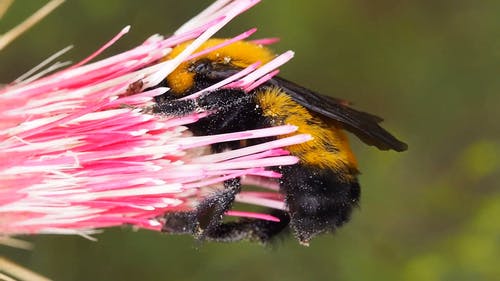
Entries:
{"x":213,"y":66}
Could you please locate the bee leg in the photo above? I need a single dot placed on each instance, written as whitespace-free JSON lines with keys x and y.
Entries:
{"x":180,"y":223}
{"x":208,"y":214}
{"x":253,"y":230}
{"x":205,"y":223}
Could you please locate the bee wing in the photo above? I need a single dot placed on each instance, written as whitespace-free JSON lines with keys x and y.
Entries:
{"x":363,"y":125}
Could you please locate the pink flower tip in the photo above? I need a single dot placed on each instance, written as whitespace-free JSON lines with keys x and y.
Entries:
{"x":80,"y":152}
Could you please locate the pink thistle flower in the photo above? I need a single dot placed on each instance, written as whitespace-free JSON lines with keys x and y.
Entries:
{"x":79,"y":152}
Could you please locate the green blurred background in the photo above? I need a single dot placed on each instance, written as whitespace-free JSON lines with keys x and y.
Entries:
{"x":430,"y":67}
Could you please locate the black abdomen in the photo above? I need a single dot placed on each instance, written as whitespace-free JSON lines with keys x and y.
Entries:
{"x":319,"y":200}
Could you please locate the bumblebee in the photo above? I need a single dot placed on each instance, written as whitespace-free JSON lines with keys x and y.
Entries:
{"x":320,"y":191}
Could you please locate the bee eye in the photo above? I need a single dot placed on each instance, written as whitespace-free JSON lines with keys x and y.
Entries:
{"x":201,"y":67}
